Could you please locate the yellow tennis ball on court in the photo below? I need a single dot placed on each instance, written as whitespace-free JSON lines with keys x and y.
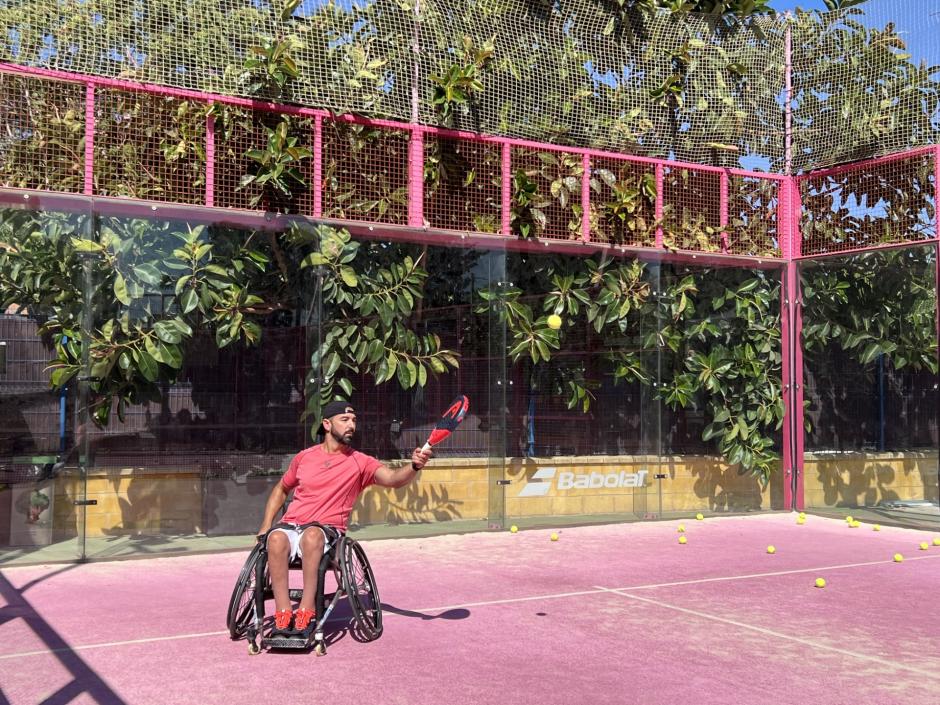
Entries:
{"x":554,"y":537}
{"x":554,"y":321}
{"x":699,"y":516}
{"x":876,"y":527}
{"x":801,"y":521}
{"x":849,"y":519}
{"x":514,"y":528}
{"x":771,"y":549}
{"x":681,"y":528}
{"x":924,"y":545}
{"x":898,"y":558}
{"x":683,"y":540}
{"x":820,"y":582}
{"x":802,"y":515}
{"x":855,"y":524}
{"x":936,"y":542}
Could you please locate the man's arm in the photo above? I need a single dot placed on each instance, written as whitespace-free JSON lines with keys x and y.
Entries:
{"x":275,"y":502}
{"x":399,"y":477}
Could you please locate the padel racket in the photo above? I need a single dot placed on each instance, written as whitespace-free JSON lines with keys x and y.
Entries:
{"x":449,"y":421}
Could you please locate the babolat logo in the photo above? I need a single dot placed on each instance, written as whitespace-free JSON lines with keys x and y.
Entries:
{"x":540,"y":484}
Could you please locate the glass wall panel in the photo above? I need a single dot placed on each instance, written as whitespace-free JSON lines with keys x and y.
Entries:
{"x":444,"y":340}
{"x":870,"y":357}
{"x":42,"y":289}
{"x":659,"y":395}
{"x":719,"y":388}
{"x":198,"y":370}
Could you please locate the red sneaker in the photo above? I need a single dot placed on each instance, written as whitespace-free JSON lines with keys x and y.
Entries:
{"x":303,"y":618}
{"x":282,"y":620}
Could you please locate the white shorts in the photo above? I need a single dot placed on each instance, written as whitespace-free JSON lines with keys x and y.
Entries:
{"x":293,"y":535}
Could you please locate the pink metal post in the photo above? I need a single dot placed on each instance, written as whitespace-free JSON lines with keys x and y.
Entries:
{"x":786,"y":346}
{"x":660,"y":181}
{"x":210,"y":160}
{"x":318,"y":166}
{"x":586,"y":198}
{"x":89,"y":139}
{"x":795,"y":293}
{"x":723,"y":209}
{"x":788,"y":100}
{"x":506,"y":185}
{"x":416,"y":178}
{"x":936,"y":235}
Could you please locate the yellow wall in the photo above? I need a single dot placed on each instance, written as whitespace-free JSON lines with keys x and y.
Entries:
{"x":130,"y":502}
{"x":865,"y":479}
{"x":165,"y":501}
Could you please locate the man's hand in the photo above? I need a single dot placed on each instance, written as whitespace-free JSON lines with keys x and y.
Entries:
{"x":419,"y":458}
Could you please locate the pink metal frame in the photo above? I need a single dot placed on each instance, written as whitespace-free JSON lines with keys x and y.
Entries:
{"x":789,"y":212}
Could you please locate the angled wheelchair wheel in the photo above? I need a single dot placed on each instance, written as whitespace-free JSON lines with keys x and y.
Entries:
{"x":361,"y":591}
{"x":240,"y":606}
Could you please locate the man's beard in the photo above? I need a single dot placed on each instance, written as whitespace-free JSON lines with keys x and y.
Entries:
{"x":340,"y":438}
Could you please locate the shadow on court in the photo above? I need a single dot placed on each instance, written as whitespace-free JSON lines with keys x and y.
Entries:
{"x":84,"y":680}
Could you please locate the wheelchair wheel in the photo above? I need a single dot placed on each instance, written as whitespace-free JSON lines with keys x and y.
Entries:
{"x":359,"y":585}
{"x":240,"y":606}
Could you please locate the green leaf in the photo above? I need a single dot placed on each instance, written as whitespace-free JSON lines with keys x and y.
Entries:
{"x":167,"y":331}
{"x":120,"y":290}
{"x":349,"y":276}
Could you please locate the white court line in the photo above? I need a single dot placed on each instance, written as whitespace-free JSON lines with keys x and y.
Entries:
{"x":650,"y":586}
{"x":778,"y":635}
{"x":106,"y":644}
{"x":749,"y":576}
{"x":483,"y":603}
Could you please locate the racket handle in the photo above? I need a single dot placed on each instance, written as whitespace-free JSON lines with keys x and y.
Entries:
{"x":426,"y":447}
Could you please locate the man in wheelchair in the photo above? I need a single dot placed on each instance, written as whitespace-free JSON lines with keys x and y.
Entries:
{"x":326,"y":480}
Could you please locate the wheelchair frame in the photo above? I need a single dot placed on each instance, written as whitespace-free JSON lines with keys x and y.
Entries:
{"x":354,"y":579}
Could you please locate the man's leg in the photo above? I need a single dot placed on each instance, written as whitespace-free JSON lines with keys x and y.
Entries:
{"x":278,"y":559}
{"x":311,"y":547}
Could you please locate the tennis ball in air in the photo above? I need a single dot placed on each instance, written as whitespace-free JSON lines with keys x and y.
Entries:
{"x":936,"y":542}
{"x":898,"y":558}
{"x":771,"y":549}
{"x":924,"y":545}
{"x":876,"y":527}
{"x":820,"y":582}
{"x":699,"y":516}
{"x":683,"y":540}
{"x":849,"y":519}
{"x":681,"y":528}
{"x":554,"y":537}
{"x":802,"y":515}
{"x":554,"y":321}
{"x":514,"y":528}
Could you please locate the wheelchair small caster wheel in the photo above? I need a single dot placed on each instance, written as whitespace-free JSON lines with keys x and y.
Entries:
{"x":253,"y":648}
{"x":320,"y":649}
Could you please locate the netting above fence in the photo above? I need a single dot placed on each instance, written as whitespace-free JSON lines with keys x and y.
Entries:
{"x":588,"y":73}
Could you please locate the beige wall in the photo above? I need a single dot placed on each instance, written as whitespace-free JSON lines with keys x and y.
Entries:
{"x":168,"y":501}
{"x":865,"y":479}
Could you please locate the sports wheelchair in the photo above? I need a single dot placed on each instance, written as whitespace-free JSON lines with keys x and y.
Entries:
{"x":354,"y":580}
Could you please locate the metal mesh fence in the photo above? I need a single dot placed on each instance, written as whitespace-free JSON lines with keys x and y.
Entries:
{"x":623,"y":202}
{"x":42,"y":131}
{"x":365,"y":173}
{"x":582,"y":72}
{"x":463,"y":184}
{"x":878,"y":203}
{"x":864,"y":82}
{"x":149,"y":147}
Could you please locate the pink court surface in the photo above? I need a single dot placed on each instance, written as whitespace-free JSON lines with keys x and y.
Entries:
{"x":606,"y":614}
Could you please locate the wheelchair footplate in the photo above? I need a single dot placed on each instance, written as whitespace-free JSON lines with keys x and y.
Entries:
{"x":301,"y":641}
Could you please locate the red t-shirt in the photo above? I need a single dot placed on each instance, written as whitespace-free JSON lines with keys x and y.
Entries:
{"x":326,"y":485}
